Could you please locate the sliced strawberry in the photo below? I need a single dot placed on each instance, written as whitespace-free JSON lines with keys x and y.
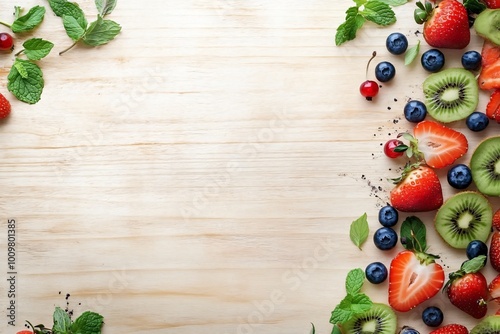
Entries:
{"x":413,"y":279}
{"x":451,"y":329}
{"x":493,"y":4}
{"x":496,"y":220}
{"x":494,"y":289}
{"x":493,"y":106}
{"x":494,"y":251}
{"x":439,"y":144}
{"x":489,"y":77}
{"x":418,"y":190}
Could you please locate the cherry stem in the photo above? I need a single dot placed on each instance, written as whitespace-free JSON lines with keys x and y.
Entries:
{"x":69,"y":48}
{"x":369,"y":61}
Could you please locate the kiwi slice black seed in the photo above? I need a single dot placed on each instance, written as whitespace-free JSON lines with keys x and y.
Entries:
{"x":464,"y":217}
{"x":485,"y":166}
{"x":489,"y":325}
{"x":451,"y":94}
{"x":487,"y":25}
{"x":379,"y":319}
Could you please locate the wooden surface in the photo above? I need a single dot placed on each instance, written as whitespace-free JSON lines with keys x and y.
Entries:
{"x":199,"y":173}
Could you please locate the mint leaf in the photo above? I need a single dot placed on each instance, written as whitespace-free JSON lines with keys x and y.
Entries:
{"x":474,"y":6}
{"x":29,"y":21}
{"x":73,"y":29}
{"x":359,"y":3}
{"x":413,"y":234}
{"x":64,"y":7}
{"x":379,"y":13}
{"x":37,"y":48}
{"x":347,"y":30}
{"x":87,"y":323}
{"x":394,"y":2}
{"x":25,"y":81}
{"x":412,"y":53}
{"x":360,"y":303}
{"x":359,"y":230}
{"x":342,"y":311}
{"x":336,"y":330}
{"x":354,"y":281}
{"x":101,"y":32}
{"x":473,"y":265}
{"x":105,"y":7}
{"x":62,"y":322}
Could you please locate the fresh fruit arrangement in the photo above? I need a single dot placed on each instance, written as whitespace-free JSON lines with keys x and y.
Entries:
{"x":467,"y":220}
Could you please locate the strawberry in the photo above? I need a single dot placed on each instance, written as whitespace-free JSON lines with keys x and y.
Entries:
{"x":451,"y":329}
{"x":445,"y":26}
{"x":489,"y":77}
{"x":417,"y":190}
{"x":467,"y":288}
{"x":414,"y":277}
{"x":439,"y":144}
{"x":496,"y":220}
{"x":4,"y":107}
{"x":493,"y":4}
{"x":25,"y":332}
{"x":493,"y":106}
{"x":494,"y":251}
{"x":494,"y":289}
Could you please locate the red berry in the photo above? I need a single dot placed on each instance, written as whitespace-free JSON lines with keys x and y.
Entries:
{"x":4,"y":107}
{"x":390,"y":146}
{"x":6,"y":42}
{"x":369,"y":89}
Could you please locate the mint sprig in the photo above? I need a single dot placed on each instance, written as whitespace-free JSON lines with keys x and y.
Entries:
{"x":354,"y":302}
{"x":36,"y":48}
{"x":87,"y":323}
{"x":376,"y":11}
{"x":27,"y":22}
{"x":359,"y":230}
{"x":25,"y":81}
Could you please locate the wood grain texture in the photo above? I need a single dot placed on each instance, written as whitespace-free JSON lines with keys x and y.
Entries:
{"x":199,"y":173}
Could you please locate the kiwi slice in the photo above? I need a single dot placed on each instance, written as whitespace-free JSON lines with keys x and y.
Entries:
{"x":464,"y":217}
{"x":485,"y":166}
{"x":489,"y":325}
{"x":487,"y":25}
{"x":451,"y":94}
{"x":379,"y":319}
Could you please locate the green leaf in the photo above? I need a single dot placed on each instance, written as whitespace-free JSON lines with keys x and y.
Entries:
{"x":359,"y":230}
{"x":101,"y":32}
{"x":379,"y":13}
{"x":474,"y":6}
{"x":473,"y":265}
{"x":360,"y":3}
{"x":394,"y":2}
{"x":73,"y":28}
{"x":29,"y":21}
{"x":412,"y":53}
{"x":64,"y":7}
{"x":37,"y":48}
{"x":336,"y":330}
{"x":360,"y":303}
{"x":313,"y":330}
{"x":62,"y":321}
{"x":28,"y":85}
{"x":87,"y":323}
{"x":342,"y":311}
{"x":105,"y":7}
{"x":347,"y":30}
{"x":354,"y":281}
{"x":413,"y":233}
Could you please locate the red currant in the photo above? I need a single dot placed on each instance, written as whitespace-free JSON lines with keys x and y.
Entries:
{"x":6,"y":42}
{"x":369,"y":89}
{"x":390,"y":146}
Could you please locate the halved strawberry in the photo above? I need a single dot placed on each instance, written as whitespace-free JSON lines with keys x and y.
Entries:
{"x":417,"y":190}
{"x":439,"y":144}
{"x":493,"y":106}
{"x":413,"y":278}
{"x":496,"y":220}
{"x":451,"y":329}
{"x":494,"y":289}
{"x":494,"y":251}
{"x":493,"y":4}
{"x":489,"y":77}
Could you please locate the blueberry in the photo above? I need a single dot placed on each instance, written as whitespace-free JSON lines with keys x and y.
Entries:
{"x":408,"y":330}
{"x":432,"y":316}
{"x":388,"y":216}
{"x":385,"y":238}
{"x":459,"y":176}
{"x":385,"y":71}
{"x":476,"y":248}
{"x":376,"y":272}
{"x":396,"y":43}
{"x":432,"y":60}
{"x":477,"y":121}
{"x":415,"y":111}
{"x":471,"y":60}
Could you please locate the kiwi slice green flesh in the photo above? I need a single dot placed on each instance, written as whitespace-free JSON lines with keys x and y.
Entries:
{"x":379,"y":319}
{"x":487,"y":25}
{"x":489,"y":325}
{"x":451,"y":94}
{"x":485,"y":166}
{"x":464,"y":217}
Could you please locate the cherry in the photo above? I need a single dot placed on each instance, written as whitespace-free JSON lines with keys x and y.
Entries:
{"x":6,"y":42}
{"x":390,"y":148}
{"x":369,"y":88}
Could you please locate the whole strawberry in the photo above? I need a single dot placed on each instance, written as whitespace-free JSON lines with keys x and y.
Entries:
{"x":494,"y":251}
{"x":467,"y":288}
{"x":451,"y":329}
{"x":4,"y":107}
{"x":417,"y":190}
{"x":445,"y":26}
{"x":493,"y":4}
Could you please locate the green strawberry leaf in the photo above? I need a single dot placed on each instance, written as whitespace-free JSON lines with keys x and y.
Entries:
{"x":413,"y":234}
{"x":473,"y":265}
{"x":359,"y":230}
{"x":25,"y":81}
{"x":29,"y":21}
{"x":474,"y":6}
